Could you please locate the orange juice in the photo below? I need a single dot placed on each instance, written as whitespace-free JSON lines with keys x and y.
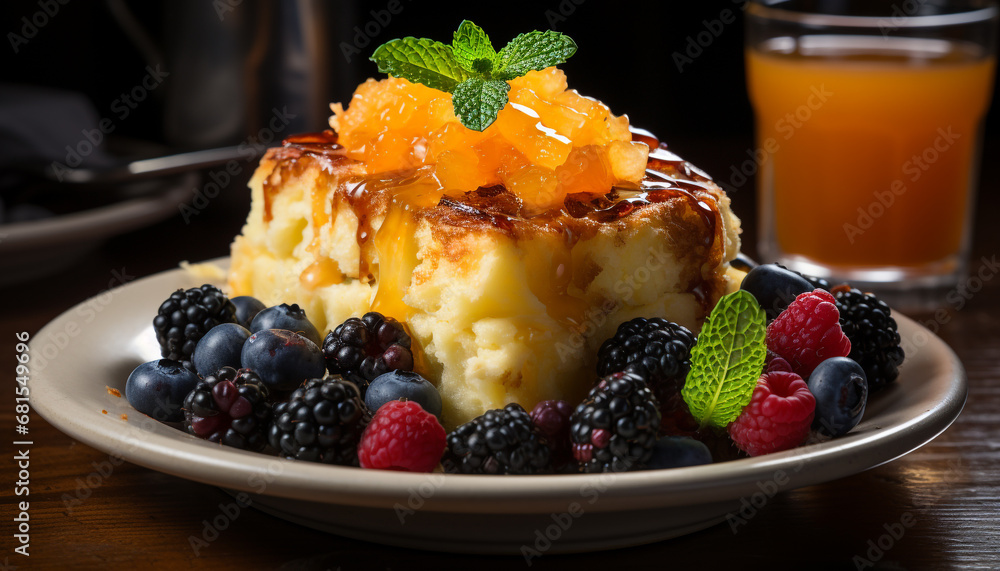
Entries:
{"x":870,"y":147}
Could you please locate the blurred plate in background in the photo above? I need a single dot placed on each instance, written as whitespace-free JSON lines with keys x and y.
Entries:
{"x":33,"y":249}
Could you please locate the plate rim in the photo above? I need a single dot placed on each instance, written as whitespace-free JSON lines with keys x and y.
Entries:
{"x":183,"y":455}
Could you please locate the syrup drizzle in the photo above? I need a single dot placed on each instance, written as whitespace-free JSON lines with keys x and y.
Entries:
{"x":387,"y":254}
{"x":357,"y":194}
{"x":321,"y":147}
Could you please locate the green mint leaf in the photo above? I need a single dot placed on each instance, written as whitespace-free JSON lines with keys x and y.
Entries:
{"x":477,"y":101}
{"x":533,"y":51}
{"x":471,"y":69}
{"x":472,"y":48}
{"x":726,"y":361}
{"x":483,"y":66}
{"x":420,"y":60}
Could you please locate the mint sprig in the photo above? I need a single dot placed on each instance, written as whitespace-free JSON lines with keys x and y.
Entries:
{"x":472,"y":48}
{"x":726,"y":361}
{"x":470,"y":68}
{"x":421,"y":61}
{"x":533,"y":51}
{"x":477,"y":101}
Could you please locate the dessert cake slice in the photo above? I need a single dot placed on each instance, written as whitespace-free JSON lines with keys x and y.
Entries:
{"x":510,"y":254}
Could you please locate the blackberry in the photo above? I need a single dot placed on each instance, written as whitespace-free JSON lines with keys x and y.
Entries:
{"x":614,"y":428}
{"x":501,"y":441}
{"x":659,"y":351}
{"x":322,"y":422}
{"x":229,"y":407}
{"x":867,"y":321}
{"x":186,"y":316}
{"x":362,"y":349}
{"x":552,"y":419}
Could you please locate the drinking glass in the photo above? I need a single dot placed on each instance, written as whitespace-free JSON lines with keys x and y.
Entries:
{"x":869,"y":119}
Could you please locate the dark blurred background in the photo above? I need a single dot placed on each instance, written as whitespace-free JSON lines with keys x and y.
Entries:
{"x":212,"y":73}
{"x":625,"y":56}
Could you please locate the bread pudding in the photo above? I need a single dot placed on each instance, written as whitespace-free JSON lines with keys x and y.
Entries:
{"x":510,"y":254}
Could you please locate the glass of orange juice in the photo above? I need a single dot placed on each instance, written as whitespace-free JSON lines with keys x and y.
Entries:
{"x":869,"y":118}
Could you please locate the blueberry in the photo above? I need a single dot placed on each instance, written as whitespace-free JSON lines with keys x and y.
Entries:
{"x":774,"y":287}
{"x":282,"y":359}
{"x":743,"y":262}
{"x":841,"y":390}
{"x":395,"y":385}
{"x":289,"y":317}
{"x":158,"y":388}
{"x":221,"y":347}
{"x":247,"y":308}
{"x":677,"y":452}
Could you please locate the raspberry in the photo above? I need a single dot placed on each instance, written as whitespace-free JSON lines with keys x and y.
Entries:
{"x":808,"y":332}
{"x":402,"y":436}
{"x":775,"y":363}
{"x":778,"y":417}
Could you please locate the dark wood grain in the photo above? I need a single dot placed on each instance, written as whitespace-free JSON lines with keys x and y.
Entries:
{"x":950,"y":487}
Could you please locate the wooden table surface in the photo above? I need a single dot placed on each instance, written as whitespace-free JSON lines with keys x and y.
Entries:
{"x":950,"y":487}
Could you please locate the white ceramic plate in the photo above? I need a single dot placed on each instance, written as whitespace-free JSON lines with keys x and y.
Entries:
{"x":98,"y":343}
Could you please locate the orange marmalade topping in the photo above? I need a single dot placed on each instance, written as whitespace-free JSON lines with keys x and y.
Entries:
{"x":545,"y":142}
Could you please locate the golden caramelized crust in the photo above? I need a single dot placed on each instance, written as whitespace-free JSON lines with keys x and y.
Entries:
{"x":673,"y":194}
